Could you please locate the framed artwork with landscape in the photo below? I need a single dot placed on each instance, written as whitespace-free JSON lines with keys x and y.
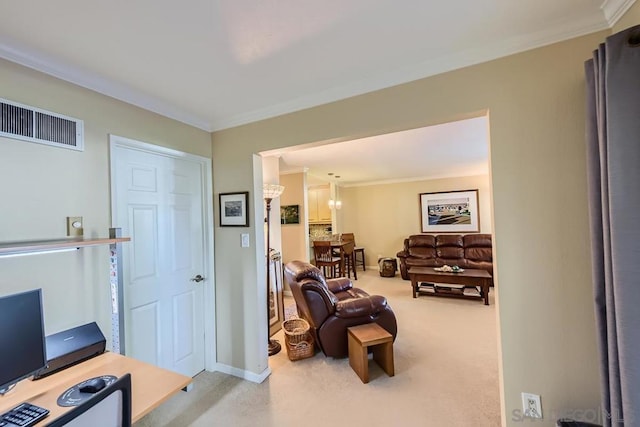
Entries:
{"x":290,"y":214}
{"x":450,"y":212}
{"x":234,"y":209}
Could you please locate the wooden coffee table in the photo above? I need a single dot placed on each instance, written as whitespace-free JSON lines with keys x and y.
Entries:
{"x":470,"y":277}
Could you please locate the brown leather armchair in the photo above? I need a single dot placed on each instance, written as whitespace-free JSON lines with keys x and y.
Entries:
{"x":331,"y":306}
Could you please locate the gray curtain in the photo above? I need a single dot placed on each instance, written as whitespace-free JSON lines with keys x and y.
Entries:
{"x":613,"y":155}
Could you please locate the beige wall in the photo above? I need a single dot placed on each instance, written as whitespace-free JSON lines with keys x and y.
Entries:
{"x":382,"y":216}
{"x":630,"y":19}
{"x":536,"y":104}
{"x":294,"y":243}
{"x":42,"y":185}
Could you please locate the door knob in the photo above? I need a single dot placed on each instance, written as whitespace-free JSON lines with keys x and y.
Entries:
{"x":197,"y":279}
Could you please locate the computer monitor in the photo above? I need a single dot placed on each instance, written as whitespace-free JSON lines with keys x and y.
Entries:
{"x":110,"y":407}
{"x":22,"y":338}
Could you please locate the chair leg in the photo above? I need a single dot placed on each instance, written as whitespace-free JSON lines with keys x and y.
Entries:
{"x":352,"y":262}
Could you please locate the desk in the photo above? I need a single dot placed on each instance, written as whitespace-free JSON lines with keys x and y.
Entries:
{"x":150,"y":385}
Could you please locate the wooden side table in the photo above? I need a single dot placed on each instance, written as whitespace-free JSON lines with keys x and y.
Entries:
{"x":372,"y":335}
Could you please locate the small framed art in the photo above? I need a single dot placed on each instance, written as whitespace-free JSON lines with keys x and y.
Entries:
{"x":290,"y":214}
{"x":234,"y":209}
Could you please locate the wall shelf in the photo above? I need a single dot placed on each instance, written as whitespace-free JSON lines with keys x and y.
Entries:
{"x":116,"y":285}
{"x":24,"y":247}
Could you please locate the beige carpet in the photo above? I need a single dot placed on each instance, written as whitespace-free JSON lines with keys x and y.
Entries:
{"x":446,"y":374}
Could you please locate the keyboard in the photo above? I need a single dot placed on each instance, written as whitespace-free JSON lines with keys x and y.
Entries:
{"x":23,"y":415}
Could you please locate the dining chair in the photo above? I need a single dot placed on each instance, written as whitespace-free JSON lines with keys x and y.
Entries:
{"x":323,"y":255}
{"x":349,"y":259}
{"x":357,"y":250}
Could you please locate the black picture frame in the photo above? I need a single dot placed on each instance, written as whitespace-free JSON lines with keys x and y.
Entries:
{"x":234,"y":209}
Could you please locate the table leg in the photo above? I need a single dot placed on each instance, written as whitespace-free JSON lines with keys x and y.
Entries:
{"x":414,"y":286}
{"x":358,"y":358}
{"x":485,"y":291}
{"x":383,"y":355}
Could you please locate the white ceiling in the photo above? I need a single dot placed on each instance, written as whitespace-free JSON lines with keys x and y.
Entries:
{"x":220,"y":63}
{"x":447,"y":150}
{"x":216,"y":64}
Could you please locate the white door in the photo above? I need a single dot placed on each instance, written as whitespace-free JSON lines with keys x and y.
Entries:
{"x":158,"y":202}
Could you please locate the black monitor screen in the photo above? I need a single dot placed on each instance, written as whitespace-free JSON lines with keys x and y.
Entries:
{"x":22,"y":340}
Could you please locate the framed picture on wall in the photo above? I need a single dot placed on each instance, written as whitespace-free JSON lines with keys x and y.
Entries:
{"x":450,"y":212}
{"x":290,"y":214}
{"x":234,"y":209}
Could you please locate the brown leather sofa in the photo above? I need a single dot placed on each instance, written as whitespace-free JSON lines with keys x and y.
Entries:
{"x":463,"y":250}
{"x":332,"y":305}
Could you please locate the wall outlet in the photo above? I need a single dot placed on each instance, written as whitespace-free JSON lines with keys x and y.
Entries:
{"x":75,"y":226}
{"x":531,"y":405}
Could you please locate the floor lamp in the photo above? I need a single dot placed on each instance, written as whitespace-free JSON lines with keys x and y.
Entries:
{"x":270,"y":192}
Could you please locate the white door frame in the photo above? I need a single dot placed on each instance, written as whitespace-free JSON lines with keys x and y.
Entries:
{"x":207,"y":214}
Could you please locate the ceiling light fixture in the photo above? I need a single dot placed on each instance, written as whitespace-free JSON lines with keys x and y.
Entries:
{"x":335,"y":204}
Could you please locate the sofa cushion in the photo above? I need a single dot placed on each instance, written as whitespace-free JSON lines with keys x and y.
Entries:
{"x":422,"y":246}
{"x":422,"y":262}
{"x":478,"y":247}
{"x":478,"y":254}
{"x":449,"y":247}
{"x":477,"y":240}
{"x":302,"y":270}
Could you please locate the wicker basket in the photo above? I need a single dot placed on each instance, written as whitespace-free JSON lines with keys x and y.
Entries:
{"x":297,"y":338}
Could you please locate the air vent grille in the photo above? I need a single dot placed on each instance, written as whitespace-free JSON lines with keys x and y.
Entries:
{"x":55,"y":129}
{"x":35,"y":125}
{"x":16,"y":120}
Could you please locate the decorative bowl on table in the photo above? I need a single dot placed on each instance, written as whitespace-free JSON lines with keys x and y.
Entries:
{"x":448,"y":269}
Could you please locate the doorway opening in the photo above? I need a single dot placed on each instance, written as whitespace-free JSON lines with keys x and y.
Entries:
{"x":382,"y":208}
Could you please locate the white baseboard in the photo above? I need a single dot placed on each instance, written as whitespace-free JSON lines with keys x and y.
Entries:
{"x":244,"y":374}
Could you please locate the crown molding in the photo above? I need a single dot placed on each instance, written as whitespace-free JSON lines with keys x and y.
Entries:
{"x":101,"y":85}
{"x":413,"y":179}
{"x":614,"y":9}
{"x":40,"y":62}
{"x":422,"y":70}
{"x":295,"y":170}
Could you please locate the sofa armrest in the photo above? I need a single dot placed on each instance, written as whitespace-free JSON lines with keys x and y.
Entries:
{"x":402,"y":254}
{"x":339,"y":284}
{"x":359,"y":307}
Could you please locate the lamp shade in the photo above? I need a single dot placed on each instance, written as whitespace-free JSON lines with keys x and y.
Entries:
{"x":271,"y":191}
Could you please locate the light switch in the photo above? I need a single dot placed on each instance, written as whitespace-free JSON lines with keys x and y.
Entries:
{"x":245,"y":240}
